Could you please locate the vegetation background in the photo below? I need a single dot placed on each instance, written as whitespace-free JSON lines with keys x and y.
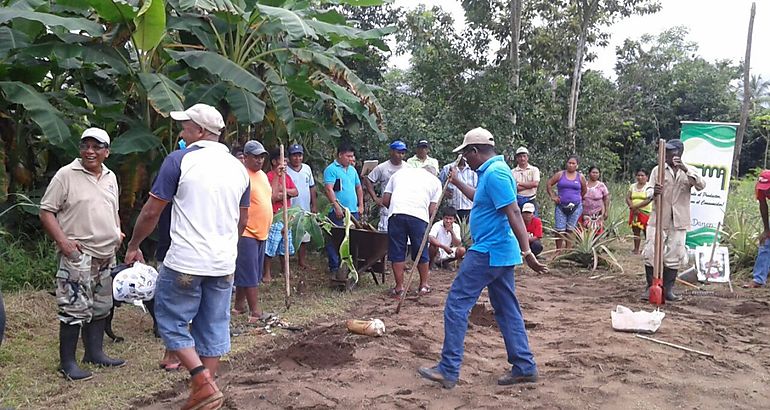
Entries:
{"x":316,"y":72}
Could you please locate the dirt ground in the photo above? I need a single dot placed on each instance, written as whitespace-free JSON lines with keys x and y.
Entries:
{"x":583,"y":363}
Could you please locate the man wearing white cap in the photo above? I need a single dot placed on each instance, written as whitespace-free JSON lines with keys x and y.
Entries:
{"x":209,"y":190}
{"x":527,"y":178}
{"x":499,"y":243}
{"x":79,"y":211}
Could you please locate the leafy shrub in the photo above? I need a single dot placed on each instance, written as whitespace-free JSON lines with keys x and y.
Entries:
{"x":590,"y":249}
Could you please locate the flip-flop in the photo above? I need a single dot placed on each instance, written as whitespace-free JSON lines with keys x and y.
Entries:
{"x":424,"y":290}
{"x":236,"y":312}
{"x":395,"y":294}
{"x":262,"y":319}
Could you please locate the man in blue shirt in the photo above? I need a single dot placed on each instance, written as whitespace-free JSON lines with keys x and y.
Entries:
{"x":343,"y":188}
{"x":495,"y":219}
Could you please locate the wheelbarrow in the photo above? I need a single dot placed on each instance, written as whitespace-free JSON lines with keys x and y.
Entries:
{"x":368,"y":250}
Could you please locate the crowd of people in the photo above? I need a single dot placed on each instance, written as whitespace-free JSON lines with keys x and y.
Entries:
{"x":214,"y":215}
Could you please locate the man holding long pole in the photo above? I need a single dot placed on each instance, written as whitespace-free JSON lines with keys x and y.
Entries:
{"x":499,"y":243}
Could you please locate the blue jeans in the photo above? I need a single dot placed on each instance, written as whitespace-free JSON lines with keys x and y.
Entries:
{"x":333,"y":252}
{"x":762,"y":264}
{"x":474,"y":275}
{"x":205,"y":300}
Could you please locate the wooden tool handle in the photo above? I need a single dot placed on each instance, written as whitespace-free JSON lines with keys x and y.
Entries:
{"x":285,"y":230}
{"x":657,"y":268}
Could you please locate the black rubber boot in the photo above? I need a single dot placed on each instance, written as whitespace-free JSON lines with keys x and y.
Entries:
{"x":648,"y":273}
{"x":669,"y":280}
{"x":68,"y":344}
{"x":93,"y":339}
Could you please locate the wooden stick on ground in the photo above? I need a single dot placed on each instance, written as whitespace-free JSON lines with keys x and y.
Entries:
{"x":425,"y":239}
{"x":285,"y":232}
{"x":686,"y":283}
{"x":686,"y":349}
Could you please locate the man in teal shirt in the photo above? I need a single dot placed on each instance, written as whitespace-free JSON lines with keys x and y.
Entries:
{"x":500,"y":241}
{"x":343,"y":188}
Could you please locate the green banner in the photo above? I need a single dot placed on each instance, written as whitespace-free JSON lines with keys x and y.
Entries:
{"x":709,"y":147}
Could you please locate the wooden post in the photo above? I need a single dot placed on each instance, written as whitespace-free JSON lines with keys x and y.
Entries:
{"x":746,"y":95}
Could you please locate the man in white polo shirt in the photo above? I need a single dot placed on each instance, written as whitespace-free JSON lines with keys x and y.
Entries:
{"x":527,"y":178}
{"x":209,"y":190}
{"x":302,"y":175}
{"x":411,"y":196}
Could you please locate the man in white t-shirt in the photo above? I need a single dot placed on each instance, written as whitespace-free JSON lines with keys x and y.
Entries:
{"x":210,"y":193}
{"x":303,"y":179}
{"x":380,"y":176}
{"x":527,"y":178}
{"x":444,"y":238}
{"x":411,"y":196}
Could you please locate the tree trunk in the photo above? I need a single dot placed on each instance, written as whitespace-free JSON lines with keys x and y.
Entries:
{"x":586,"y":16}
{"x":513,"y":49}
{"x":746,"y":95}
{"x":767,"y":147}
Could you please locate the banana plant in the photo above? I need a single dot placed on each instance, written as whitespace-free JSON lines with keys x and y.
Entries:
{"x":302,"y":222}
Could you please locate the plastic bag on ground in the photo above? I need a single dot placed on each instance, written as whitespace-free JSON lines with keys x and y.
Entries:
{"x":626,"y":320}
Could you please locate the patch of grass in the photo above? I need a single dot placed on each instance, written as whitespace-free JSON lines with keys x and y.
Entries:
{"x":26,"y":262}
{"x":29,"y":355}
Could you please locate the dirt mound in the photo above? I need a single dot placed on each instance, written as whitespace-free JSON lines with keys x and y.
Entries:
{"x":751,"y":308}
{"x":482,"y":316}
{"x":323,"y":350}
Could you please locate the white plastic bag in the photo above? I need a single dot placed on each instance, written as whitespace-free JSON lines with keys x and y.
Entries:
{"x":626,"y":320}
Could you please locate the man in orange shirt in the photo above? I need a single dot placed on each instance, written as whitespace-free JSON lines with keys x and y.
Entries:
{"x":251,"y":245}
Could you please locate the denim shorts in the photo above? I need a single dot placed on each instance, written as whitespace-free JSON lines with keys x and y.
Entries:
{"x":564,"y":222}
{"x":401,"y":227}
{"x":181,"y":298}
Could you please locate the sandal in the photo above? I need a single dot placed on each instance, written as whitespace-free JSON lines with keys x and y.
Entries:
{"x":261,"y":319}
{"x":170,"y":367}
{"x":236,"y":312}
{"x":424,"y":290}
{"x":396,"y":294}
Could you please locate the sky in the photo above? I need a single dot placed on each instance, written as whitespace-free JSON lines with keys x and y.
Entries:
{"x":719,"y":27}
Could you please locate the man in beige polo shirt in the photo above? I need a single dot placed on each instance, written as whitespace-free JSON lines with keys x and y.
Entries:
{"x":527,"y":179}
{"x":79,"y":211}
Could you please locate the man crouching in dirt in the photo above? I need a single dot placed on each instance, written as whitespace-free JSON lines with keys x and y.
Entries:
{"x":209,"y":190}
{"x":676,"y":217}
{"x":495,"y":219}
{"x":79,"y":211}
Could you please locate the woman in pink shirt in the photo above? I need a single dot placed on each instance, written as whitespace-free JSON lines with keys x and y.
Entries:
{"x":596,"y":202}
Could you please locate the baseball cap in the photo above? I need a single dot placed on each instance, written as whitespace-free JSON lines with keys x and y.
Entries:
{"x":97,"y":134}
{"x":522,"y":150}
{"x":763,"y":183}
{"x":528,"y":207}
{"x":202,"y":114}
{"x":422,"y":143}
{"x":254,"y":148}
{"x":476,"y":136}
{"x":675,"y":144}
{"x":296,"y":149}
{"x":398,"y":145}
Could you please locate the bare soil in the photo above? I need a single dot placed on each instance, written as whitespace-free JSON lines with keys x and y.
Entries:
{"x":583,"y":363}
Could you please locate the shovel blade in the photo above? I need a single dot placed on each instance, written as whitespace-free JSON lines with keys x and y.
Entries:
{"x":656,"y":292}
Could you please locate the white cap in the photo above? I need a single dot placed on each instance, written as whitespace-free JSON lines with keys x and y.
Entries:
{"x":202,"y":114}
{"x":528,"y":207}
{"x":522,"y":150}
{"x":97,"y":134}
{"x":476,"y":136}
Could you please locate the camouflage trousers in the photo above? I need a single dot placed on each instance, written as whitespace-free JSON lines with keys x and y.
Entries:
{"x":84,"y":288}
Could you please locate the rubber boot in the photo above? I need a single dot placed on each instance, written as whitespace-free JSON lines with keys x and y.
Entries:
{"x":68,"y":344}
{"x":648,"y":273}
{"x":669,"y":280}
{"x":93,"y":339}
{"x":204,"y":393}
